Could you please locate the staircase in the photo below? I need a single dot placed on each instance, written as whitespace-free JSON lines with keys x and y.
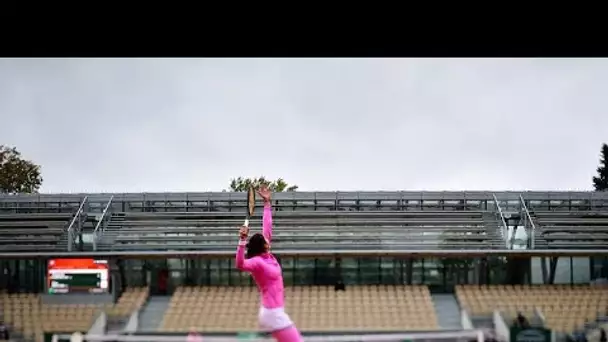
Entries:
{"x":539,"y":241}
{"x":493,"y":227}
{"x":485,"y":322}
{"x":115,"y":325}
{"x":448,"y":311}
{"x":62,"y":245}
{"x":152,"y":313}
{"x":112,"y":229}
{"x":88,"y":226}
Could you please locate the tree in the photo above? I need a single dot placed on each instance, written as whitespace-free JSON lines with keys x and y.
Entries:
{"x":241,"y":184}
{"x":17,"y":175}
{"x":601,"y":181}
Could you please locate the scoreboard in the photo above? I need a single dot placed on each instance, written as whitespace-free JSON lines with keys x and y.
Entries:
{"x":77,"y":276}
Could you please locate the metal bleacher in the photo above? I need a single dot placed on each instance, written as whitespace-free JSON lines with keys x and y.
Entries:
{"x":306,"y":220}
{"x":309,"y":221}
{"x":572,"y":229}
{"x":305,"y":230}
{"x":33,"y":232}
{"x":36,"y":223}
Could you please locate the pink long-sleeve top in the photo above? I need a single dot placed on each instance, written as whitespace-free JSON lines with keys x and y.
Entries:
{"x":265,"y":269}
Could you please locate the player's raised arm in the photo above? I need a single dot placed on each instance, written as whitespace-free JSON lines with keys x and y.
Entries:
{"x":265,"y":194}
{"x":242,"y":263}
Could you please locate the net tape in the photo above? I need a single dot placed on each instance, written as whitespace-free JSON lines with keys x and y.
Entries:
{"x":464,"y":335}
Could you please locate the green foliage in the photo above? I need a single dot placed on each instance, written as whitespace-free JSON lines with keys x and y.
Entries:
{"x":17,"y":175}
{"x":600,"y":183}
{"x":241,"y":184}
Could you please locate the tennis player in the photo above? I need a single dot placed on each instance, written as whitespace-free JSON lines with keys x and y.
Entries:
{"x":267,"y":273}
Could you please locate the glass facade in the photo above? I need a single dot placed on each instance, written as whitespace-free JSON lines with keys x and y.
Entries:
{"x":440,"y":274}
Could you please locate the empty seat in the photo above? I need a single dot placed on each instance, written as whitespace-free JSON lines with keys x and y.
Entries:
{"x":132,"y":299}
{"x":565,"y":308}
{"x":312,"y":308}
{"x":26,"y":314}
{"x":29,"y":316}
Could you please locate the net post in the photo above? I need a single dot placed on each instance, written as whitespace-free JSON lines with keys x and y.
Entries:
{"x":480,"y":337}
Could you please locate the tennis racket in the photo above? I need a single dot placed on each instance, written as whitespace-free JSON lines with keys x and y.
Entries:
{"x":250,"y":205}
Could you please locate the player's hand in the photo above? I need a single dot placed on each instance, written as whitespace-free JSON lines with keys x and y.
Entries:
{"x":264,"y":192}
{"x":244,"y":232}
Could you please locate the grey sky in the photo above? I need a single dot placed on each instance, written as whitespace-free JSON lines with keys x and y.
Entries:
{"x":132,"y":125}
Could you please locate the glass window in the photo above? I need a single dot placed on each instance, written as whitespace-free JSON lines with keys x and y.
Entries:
{"x":324,"y":271}
{"x":390,"y":271}
{"x":498,"y":270}
{"x":433,"y":272}
{"x":418,"y":271}
{"x":562,"y":271}
{"x":370,"y":270}
{"x":598,"y":269}
{"x":304,"y":271}
{"x":349,"y":270}
{"x":288,"y":266}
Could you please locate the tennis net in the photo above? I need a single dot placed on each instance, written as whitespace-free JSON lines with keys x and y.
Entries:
{"x":438,"y":336}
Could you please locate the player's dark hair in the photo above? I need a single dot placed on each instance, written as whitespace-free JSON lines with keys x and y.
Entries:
{"x":256,"y":245}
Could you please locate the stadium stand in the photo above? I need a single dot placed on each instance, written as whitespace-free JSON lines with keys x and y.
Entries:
{"x":31,"y":318}
{"x":40,"y":232}
{"x":564,"y":307}
{"x":315,"y":308}
{"x":306,"y":230}
{"x":571,"y":229}
{"x":28,"y":316}
{"x":421,"y":239}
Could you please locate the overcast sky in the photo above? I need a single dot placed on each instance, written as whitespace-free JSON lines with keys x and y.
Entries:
{"x":134,"y":125}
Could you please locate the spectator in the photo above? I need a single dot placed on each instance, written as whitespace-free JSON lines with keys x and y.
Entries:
{"x":4,"y":336}
{"x":339,"y":286}
{"x":521,"y":321}
{"x":163,"y":279}
{"x":603,"y":335}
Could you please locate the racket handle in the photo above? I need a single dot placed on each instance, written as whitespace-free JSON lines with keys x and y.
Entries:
{"x":246,"y":224}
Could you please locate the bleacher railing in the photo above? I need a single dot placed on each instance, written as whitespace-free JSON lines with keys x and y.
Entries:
{"x":528,"y":223}
{"x":457,"y":253}
{"x":364,"y":200}
{"x":76,"y":224}
{"x":101,"y":225}
{"x":504,"y":231}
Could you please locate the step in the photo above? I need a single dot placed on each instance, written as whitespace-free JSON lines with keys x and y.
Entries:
{"x":486,"y":322}
{"x":447,"y":310}
{"x":152,"y":313}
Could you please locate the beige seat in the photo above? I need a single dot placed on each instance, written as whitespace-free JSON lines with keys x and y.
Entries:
{"x":312,"y":308}
{"x":565,"y":307}
{"x":26,"y":313}
{"x":133,"y":298}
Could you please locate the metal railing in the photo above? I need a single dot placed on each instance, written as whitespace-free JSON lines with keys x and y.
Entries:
{"x":504,"y":228}
{"x":101,"y":225}
{"x":462,"y":335}
{"x":317,"y":201}
{"x":531,"y":227}
{"x":77,"y":219}
{"x":315,"y":254}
